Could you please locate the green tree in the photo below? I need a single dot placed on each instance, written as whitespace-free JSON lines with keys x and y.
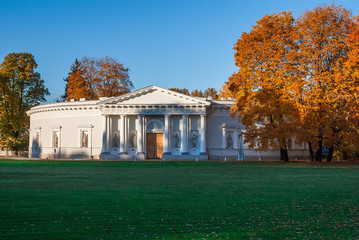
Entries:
{"x":21,"y":88}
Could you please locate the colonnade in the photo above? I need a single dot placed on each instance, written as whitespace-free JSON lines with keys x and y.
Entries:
{"x":140,"y":128}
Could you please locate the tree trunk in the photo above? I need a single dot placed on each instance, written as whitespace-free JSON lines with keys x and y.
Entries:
{"x":318,"y":154}
{"x":311,"y":152}
{"x":330,"y":154}
{"x":284,"y":154}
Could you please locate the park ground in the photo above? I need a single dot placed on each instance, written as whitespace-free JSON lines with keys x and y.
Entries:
{"x":178,"y":200}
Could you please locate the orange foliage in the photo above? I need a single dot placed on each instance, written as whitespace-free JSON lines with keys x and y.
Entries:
{"x":298,"y":79}
{"x":324,"y":90}
{"x":98,"y":77}
{"x":261,"y":84}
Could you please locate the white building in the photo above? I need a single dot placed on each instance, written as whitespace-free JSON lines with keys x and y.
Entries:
{"x":149,"y":123}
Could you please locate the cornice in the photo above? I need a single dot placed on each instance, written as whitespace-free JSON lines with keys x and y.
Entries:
{"x":152,"y":109}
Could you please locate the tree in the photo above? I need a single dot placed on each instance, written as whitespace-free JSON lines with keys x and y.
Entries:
{"x":197,"y":93}
{"x":261,"y":85}
{"x":349,"y":137}
{"x":210,"y":92}
{"x":299,"y":79}
{"x":74,"y":69}
{"x":98,"y":77}
{"x":323,"y":93}
{"x":180,"y":90}
{"x":21,"y":88}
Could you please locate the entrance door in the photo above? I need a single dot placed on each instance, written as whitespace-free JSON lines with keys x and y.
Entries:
{"x":154,"y":145}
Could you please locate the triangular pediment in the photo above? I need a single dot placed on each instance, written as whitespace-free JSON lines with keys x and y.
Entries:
{"x":154,"y":95}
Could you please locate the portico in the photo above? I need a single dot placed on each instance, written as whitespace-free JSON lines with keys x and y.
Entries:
{"x":154,"y":123}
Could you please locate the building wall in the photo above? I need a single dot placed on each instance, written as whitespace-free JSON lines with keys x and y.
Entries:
{"x":69,"y":125}
{"x":70,"y":122}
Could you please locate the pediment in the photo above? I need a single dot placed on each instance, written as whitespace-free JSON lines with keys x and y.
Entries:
{"x":154,"y":95}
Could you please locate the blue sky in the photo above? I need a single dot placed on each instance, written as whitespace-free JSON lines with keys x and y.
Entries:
{"x":168,"y":43}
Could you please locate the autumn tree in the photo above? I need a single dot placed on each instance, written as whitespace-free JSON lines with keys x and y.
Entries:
{"x":210,"y":92}
{"x":299,"y":79}
{"x":21,"y":88}
{"x":324,"y":89}
{"x":180,"y":90}
{"x":261,"y":85}
{"x":75,"y":68}
{"x":349,"y":136}
{"x":197,"y":93}
{"x":98,"y":77}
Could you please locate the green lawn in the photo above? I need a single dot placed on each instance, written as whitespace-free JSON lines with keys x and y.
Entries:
{"x":178,"y":200}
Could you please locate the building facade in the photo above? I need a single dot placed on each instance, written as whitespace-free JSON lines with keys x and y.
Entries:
{"x":149,"y":123}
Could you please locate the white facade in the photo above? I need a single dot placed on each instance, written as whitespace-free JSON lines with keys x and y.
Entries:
{"x":148,"y":123}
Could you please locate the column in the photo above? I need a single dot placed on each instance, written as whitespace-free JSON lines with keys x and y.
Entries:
{"x":109,"y":134}
{"x":122,"y":135}
{"x":166,"y":146}
{"x":203,"y":150}
{"x":184,"y":135}
{"x":104,"y":133}
{"x":235,"y":138}
{"x":224,"y":142}
{"x":140,"y":135}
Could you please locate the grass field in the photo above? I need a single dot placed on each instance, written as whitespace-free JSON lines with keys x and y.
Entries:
{"x":178,"y":200}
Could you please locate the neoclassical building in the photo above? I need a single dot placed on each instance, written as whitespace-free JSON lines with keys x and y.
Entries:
{"x":149,"y":123}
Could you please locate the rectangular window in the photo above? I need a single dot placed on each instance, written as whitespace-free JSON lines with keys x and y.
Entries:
{"x":176,"y":123}
{"x":195,"y":123}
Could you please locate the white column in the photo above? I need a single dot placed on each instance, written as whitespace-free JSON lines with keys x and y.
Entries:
{"x":122,"y":134}
{"x":224,"y":138}
{"x":184,"y":135}
{"x":109,"y":133}
{"x":203,"y":136}
{"x":235,"y":138}
{"x":104,"y":133}
{"x":166,"y":146}
{"x":140,"y":135}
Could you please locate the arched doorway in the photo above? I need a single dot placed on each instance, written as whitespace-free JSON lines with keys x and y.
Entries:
{"x":154,"y":138}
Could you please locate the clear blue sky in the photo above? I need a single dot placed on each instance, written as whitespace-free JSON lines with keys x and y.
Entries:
{"x":168,"y":43}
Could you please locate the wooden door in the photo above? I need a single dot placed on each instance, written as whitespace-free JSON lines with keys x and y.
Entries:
{"x":154,"y":145}
{"x":159,"y":145}
{"x":150,"y":145}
